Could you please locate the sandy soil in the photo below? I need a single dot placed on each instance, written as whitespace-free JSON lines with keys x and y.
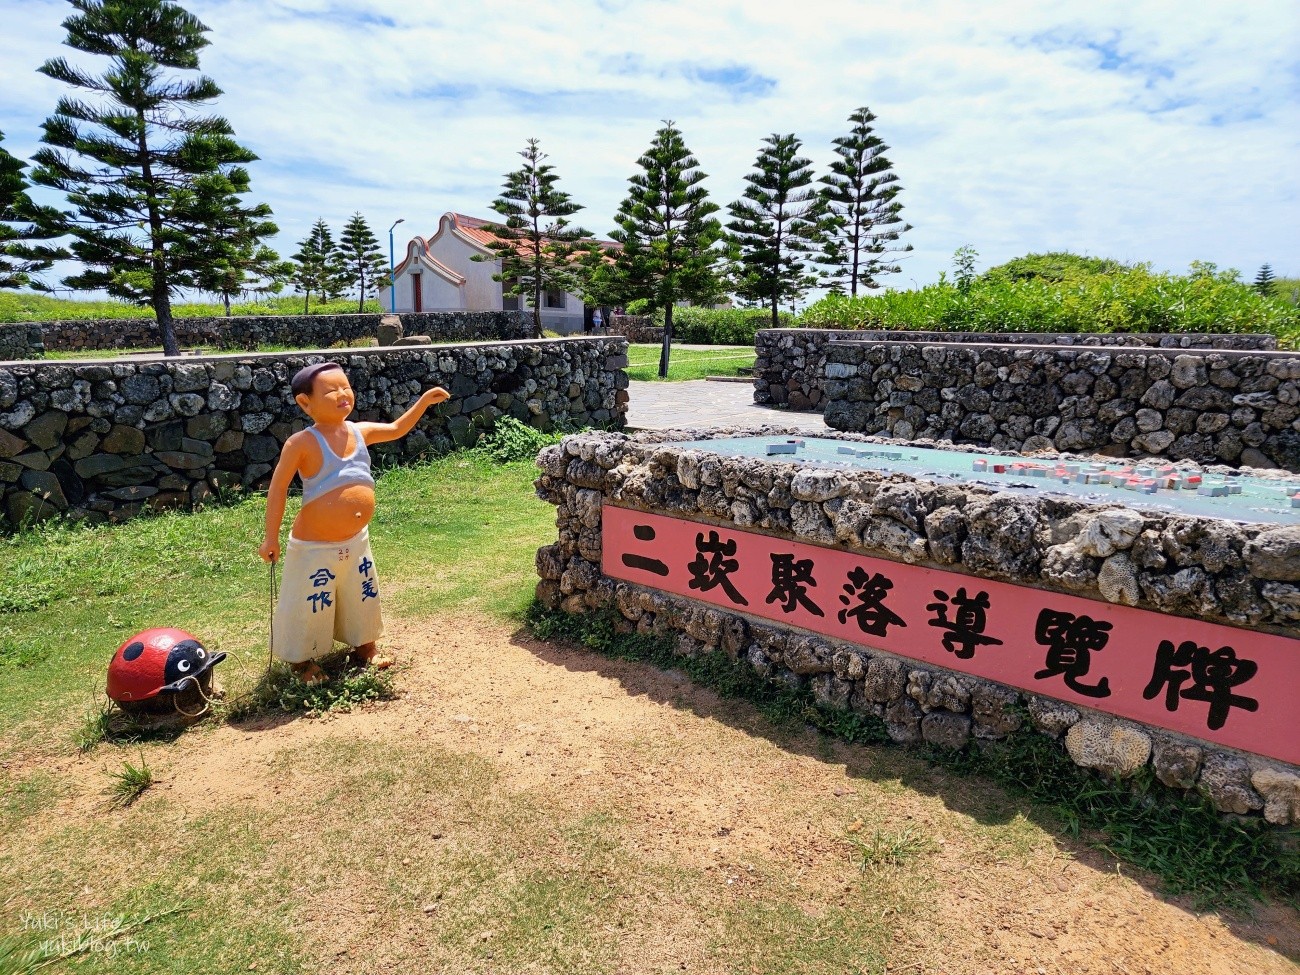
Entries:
{"x":712,"y":815}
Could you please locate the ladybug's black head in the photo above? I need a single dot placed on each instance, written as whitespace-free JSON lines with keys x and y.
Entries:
{"x":186,"y":661}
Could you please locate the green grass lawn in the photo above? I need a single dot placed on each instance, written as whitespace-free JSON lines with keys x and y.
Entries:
{"x":689,"y":363}
{"x":27,"y":306}
{"x":459,"y":531}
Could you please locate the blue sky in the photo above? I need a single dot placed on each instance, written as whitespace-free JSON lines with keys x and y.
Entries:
{"x":1153,"y":131}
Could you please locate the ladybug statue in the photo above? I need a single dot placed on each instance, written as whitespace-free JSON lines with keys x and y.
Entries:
{"x":162,"y":670}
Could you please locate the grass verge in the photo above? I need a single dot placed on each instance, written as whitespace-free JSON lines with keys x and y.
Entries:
{"x":686,"y":364}
{"x":1220,"y":862}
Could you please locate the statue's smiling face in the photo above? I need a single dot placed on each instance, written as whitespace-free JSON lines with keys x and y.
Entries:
{"x":331,"y":398}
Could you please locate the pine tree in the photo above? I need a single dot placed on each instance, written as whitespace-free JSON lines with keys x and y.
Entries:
{"x":668,"y":233}
{"x":863,"y":215}
{"x":777,"y":223}
{"x":21,"y":256}
{"x":366,"y":263}
{"x":318,"y":266}
{"x":1264,"y":280}
{"x":128,"y":155}
{"x":537,"y":246}
{"x":239,"y":263}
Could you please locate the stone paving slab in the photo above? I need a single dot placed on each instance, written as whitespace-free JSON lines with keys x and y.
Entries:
{"x":701,"y":403}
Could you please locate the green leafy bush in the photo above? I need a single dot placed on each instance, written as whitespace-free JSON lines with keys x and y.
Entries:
{"x":722,"y":326}
{"x":510,"y":440}
{"x":1132,"y":300}
{"x":1054,"y":266}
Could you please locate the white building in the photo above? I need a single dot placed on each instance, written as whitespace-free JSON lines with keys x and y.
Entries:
{"x":440,"y":274}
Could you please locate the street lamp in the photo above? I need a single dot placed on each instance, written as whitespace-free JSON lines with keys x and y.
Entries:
{"x":392,"y":269}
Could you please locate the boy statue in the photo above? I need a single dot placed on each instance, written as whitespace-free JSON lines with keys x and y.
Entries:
{"x":329,"y":589}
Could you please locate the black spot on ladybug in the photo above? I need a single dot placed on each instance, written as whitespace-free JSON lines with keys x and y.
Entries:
{"x":133,"y":650}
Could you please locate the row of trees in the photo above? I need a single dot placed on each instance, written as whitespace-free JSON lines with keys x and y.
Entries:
{"x":788,"y":233}
{"x":330,"y":271}
{"x":156,"y":190}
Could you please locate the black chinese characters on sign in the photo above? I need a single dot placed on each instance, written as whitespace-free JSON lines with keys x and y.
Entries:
{"x":965,"y":631}
{"x":715,"y":570}
{"x":864,"y":600}
{"x":644,"y":533}
{"x":790,"y":581}
{"x":1213,"y":675}
{"x":1071,"y":641}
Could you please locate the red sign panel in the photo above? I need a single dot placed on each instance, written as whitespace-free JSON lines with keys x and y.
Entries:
{"x":1225,"y":685}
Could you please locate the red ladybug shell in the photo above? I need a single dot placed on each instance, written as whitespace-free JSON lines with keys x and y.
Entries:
{"x":154,"y":661}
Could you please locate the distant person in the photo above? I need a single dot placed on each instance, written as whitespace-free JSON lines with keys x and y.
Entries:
{"x":597,"y":321}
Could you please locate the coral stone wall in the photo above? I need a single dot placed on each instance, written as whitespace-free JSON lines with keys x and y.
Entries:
{"x":790,"y":364}
{"x":20,"y":340}
{"x":1207,"y":406}
{"x":303,"y":331}
{"x":104,"y":439}
{"x":1222,"y":572}
{"x":636,"y":328}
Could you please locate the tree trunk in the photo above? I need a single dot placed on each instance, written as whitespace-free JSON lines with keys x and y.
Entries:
{"x":776,"y":317}
{"x":225,"y":300}
{"x":668,"y":341}
{"x":162,"y":308}
{"x":537,"y":311}
{"x":361,"y":294}
{"x":306,"y":301}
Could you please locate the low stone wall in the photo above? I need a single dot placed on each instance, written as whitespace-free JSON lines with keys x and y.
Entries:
{"x":303,"y":331}
{"x":1241,"y":575}
{"x":20,"y":340}
{"x":790,"y":363}
{"x":1210,"y":407}
{"x":104,"y":439}
{"x":636,"y":328}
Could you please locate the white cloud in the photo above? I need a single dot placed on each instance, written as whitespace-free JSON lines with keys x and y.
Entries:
{"x":1156,"y":131}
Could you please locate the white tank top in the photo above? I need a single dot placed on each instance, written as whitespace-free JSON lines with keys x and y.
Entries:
{"x":335,"y":471}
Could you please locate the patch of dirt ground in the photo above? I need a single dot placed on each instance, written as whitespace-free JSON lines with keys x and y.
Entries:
{"x":530,"y":806}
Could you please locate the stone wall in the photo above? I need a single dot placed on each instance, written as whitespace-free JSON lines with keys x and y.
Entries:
{"x":636,"y":328}
{"x":789,"y":367}
{"x":1210,"y":407}
{"x":20,"y":340}
{"x":302,"y":331}
{"x":104,"y":439}
{"x":1237,"y":574}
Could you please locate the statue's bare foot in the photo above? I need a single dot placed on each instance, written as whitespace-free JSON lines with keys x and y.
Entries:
{"x":309,"y":673}
{"x":368,"y":655}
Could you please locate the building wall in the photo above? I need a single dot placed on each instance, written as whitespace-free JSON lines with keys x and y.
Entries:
{"x":479,"y":292}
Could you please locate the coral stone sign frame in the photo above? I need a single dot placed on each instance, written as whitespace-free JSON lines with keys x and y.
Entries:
{"x":1230,"y":686}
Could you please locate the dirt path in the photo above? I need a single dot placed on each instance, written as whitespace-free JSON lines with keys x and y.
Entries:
{"x":529,"y":807}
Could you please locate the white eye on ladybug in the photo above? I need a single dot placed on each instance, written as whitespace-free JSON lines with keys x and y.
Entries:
{"x":201,"y":653}
{"x":183,"y":666}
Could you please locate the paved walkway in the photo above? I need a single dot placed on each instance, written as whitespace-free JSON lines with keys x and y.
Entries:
{"x":702,"y":403}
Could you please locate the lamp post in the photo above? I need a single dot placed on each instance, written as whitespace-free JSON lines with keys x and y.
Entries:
{"x":392,"y":269}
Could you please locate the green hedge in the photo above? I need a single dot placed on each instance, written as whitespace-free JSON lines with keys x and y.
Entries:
{"x":1130,"y":300}
{"x":721,"y":326}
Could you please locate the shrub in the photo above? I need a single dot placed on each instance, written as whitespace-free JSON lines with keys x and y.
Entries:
{"x":1132,"y":300}
{"x":1054,"y":266}
{"x":510,"y":440}
{"x":722,"y":326}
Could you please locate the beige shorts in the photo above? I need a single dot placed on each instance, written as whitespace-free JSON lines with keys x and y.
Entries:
{"x":328,"y":591}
